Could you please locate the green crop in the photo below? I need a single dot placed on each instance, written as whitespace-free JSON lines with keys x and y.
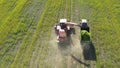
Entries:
{"x":85,"y":35}
{"x":26,"y":25}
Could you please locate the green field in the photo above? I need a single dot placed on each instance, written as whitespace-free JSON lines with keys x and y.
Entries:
{"x":26,"y":27}
{"x":105,"y":32}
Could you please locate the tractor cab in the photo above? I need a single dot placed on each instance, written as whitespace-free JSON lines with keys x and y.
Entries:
{"x":84,"y":25}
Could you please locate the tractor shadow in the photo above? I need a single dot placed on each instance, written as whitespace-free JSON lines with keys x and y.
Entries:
{"x":88,"y":51}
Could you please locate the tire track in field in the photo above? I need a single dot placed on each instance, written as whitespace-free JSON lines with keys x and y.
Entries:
{"x":77,"y":57}
{"x":39,"y":60}
{"x":32,"y":12}
{"x":56,"y":56}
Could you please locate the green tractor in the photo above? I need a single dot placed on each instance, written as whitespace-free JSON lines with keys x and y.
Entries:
{"x":85,"y":33}
{"x":86,"y":42}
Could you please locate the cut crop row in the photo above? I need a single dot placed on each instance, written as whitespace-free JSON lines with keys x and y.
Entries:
{"x":26,"y":26}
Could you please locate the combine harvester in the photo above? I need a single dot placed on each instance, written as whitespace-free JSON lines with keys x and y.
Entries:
{"x":63,"y":30}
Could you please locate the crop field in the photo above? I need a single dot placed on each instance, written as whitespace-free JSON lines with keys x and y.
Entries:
{"x":28,"y":40}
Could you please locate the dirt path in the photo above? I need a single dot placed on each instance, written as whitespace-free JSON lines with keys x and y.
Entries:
{"x":64,"y":56}
{"x":68,"y":56}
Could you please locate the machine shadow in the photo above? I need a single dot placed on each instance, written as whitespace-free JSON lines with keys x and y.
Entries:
{"x":79,"y":61}
{"x":65,"y":47}
{"x":88,"y":51}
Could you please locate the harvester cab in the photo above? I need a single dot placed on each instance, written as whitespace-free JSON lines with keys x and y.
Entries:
{"x":63,"y":23}
{"x":84,"y":25}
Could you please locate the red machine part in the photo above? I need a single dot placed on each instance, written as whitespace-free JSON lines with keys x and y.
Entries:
{"x":62,"y":35}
